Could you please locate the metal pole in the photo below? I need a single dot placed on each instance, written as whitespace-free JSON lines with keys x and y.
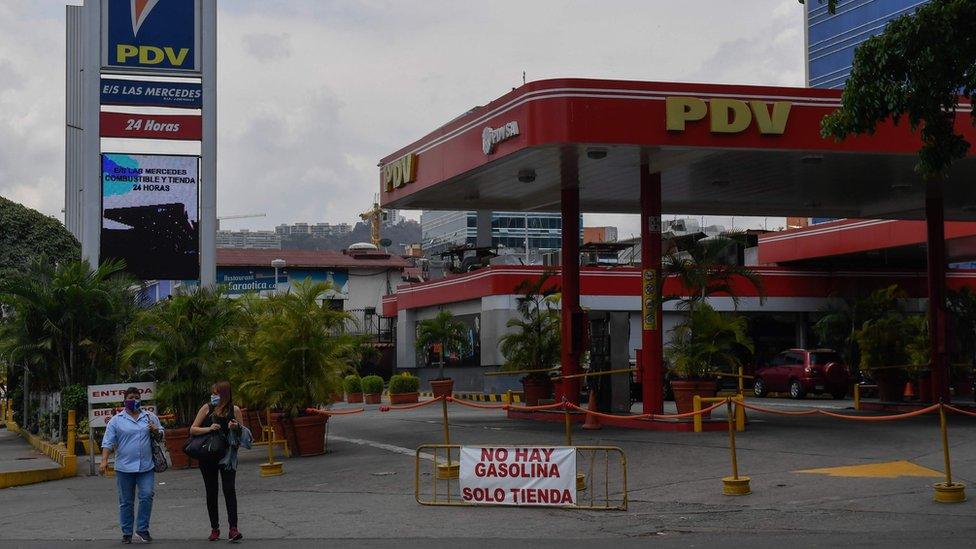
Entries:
{"x":569,"y":425}
{"x":735,"y":464}
{"x":945,"y":444}
{"x":447,"y":430}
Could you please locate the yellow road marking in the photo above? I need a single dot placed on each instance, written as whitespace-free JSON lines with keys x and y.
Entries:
{"x":889,"y":469}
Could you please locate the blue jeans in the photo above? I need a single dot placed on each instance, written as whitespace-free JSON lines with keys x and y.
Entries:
{"x":127,"y":483}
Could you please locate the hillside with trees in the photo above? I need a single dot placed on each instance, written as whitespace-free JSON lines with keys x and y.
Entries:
{"x":405,"y":232}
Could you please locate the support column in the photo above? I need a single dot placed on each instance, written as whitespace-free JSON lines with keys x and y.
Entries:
{"x":483,"y":231}
{"x":935,"y":256}
{"x":571,"y":342}
{"x":652,"y":349}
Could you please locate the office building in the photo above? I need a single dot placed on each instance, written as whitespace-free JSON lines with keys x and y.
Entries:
{"x":443,"y":230}
{"x":267,"y":240}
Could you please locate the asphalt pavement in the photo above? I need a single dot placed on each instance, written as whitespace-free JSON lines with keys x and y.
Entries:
{"x":362,"y":491}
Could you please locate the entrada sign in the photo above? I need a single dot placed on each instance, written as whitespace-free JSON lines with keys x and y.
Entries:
{"x":398,"y":173}
{"x":727,"y":115}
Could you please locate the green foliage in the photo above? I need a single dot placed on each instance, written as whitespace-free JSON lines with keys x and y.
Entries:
{"x":703,"y":272}
{"x":184,"y":342}
{"x":708,"y":341}
{"x":74,"y":397}
{"x":445,"y":331}
{"x":372,"y":385}
{"x":26,"y":234}
{"x":404,"y":383}
{"x":836,"y":329}
{"x":918,"y":69}
{"x":533,"y":341}
{"x":68,"y":321}
{"x":352,"y":383}
{"x":962,"y":306}
{"x":300,"y":350}
{"x":894,"y":340}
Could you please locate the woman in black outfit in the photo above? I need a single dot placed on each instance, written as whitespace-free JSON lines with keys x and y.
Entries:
{"x":219,"y":414}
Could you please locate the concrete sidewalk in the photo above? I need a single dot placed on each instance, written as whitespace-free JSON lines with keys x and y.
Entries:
{"x":17,"y":455}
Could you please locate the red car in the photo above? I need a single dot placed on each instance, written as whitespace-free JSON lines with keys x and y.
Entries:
{"x":801,"y":371}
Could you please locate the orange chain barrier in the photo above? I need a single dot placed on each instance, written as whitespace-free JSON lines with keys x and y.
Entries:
{"x":816,"y":411}
{"x":411,"y":406}
{"x":334,"y":412}
{"x":960,"y":411}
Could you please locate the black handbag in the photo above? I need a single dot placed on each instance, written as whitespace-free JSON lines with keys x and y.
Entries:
{"x":209,"y":447}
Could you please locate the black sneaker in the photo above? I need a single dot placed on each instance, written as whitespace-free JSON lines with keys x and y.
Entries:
{"x":144,"y":536}
{"x":127,"y":538}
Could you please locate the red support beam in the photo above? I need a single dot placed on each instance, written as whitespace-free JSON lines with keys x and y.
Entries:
{"x":652,"y":352}
{"x":571,"y":344}
{"x":936,"y":260}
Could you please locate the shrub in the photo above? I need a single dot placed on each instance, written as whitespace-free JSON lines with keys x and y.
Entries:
{"x":404,"y":383}
{"x":353,"y":384}
{"x":372,"y":385}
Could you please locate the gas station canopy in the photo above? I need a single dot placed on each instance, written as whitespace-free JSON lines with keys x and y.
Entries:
{"x":720,"y":149}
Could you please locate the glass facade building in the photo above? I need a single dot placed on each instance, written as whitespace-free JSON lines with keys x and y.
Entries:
{"x":831,"y":39}
{"x":444,"y":230}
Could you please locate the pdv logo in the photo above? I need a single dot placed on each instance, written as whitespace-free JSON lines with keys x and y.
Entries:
{"x":151,"y":34}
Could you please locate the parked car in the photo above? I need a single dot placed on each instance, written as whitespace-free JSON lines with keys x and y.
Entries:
{"x":800,"y":372}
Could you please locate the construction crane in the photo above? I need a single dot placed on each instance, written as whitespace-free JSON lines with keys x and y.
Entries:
{"x":240,"y":216}
{"x":374,"y":217}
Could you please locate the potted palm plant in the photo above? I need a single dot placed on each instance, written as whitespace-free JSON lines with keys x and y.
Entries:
{"x":893,"y":350}
{"x":445,"y":334}
{"x":300,"y":351}
{"x":372,"y":389}
{"x":705,"y":343}
{"x":184,"y":342}
{"x":404,"y":389}
{"x":534,"y":340}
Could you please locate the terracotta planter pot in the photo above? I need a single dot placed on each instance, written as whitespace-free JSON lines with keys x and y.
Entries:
{"x":685,"y":391}
{"x":175,"y":439}
{"x":404,"y":398}
{"x":535,"y":389}
{"x":305,"y":434}
{"x":442,"y":387}
{"x":335,"y":397}
{"x":354,"y":398}
{"x":373,"y":398}
{"x":253,"y":418}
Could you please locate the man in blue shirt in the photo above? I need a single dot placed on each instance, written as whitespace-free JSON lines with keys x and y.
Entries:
{"x":128,"y":433}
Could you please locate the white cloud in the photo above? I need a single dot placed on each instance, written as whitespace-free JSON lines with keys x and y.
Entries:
{"x":313,"y":93}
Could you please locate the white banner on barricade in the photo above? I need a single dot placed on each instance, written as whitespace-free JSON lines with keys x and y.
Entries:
{"x":518,"y":475}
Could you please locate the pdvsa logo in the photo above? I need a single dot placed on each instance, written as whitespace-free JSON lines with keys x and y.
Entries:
{"x":151,"y":34}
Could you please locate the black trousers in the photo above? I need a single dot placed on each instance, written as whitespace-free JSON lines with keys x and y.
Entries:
{"x":210,"y":472}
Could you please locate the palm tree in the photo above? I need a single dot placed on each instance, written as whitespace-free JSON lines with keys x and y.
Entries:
{"x":709,"y":341}
{"x":837,"y":328}
{"x":703,"y":272}
{"x":443,"y":330}
{"x":300,"y":350}
{"x":185,"y":343}
{"x":68,"y":320}
{"x":535,"y":340}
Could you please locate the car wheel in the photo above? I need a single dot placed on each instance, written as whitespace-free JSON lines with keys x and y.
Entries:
{"x":796,"y":390}
{"x":759,"y":388}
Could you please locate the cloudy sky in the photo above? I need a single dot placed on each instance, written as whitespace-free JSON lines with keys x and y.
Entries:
{"x":312,"y":93}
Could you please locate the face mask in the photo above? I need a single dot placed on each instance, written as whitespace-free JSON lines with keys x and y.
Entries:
{"x":132,"y":404}
{"x":214,"y":400}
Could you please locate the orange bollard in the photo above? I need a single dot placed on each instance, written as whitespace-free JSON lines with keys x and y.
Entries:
{"x":909,"y":391}
{"x":592,"y":422}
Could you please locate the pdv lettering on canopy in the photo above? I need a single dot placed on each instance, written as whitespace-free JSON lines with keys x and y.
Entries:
{"x":727,"y":115}
{"x":151,"y":34}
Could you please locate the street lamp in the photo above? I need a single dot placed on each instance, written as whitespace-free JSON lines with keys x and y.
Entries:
{"x":277,"y":264}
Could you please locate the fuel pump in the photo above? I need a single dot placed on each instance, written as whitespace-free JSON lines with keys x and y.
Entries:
{"x":608,"y":347}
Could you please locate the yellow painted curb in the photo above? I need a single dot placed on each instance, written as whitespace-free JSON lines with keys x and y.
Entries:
{"x":67,"y":464}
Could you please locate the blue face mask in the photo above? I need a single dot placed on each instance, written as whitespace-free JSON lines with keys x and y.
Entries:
{"x":132,"y":404}
{"x":214,"y":400}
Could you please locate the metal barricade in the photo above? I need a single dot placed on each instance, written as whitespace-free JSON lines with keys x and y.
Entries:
{"x":595,"y":492}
